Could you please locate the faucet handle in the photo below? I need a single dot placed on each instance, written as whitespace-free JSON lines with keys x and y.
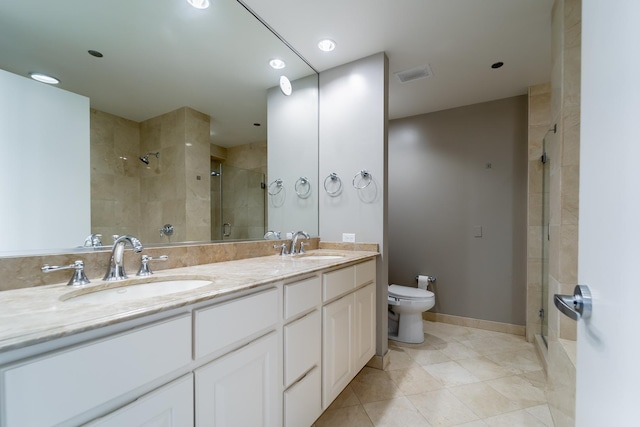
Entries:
{"x":144,"y":265}
{"x":302,"y":245}
{"x":93,"y":240}
{"x":78,"y":278}
{"x":283,"y":249}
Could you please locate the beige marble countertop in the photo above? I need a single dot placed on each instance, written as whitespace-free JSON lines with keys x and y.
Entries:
{"x":33,"y":315}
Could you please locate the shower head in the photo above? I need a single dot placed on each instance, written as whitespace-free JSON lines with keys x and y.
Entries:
{"x":145,"y":159}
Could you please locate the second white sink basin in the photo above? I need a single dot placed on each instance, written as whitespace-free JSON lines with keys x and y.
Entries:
{"x":137,"y":291}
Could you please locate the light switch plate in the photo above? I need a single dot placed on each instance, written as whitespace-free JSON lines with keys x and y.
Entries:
{"x":349,"y":237}
{"x":477,"y":231}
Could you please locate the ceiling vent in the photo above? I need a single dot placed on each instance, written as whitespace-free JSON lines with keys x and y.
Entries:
{"x":414,"y":73}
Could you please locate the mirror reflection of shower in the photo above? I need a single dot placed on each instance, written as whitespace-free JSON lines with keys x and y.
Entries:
{"x":238,"y":208}
{"x":145,"y":159}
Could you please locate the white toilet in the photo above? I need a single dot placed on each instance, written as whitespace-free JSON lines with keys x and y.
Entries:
{"x":406,"y":305}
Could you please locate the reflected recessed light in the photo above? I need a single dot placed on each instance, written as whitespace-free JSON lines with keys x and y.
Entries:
{"x":285,"y":85}
{"x":496,"y":65}
{"x":326,"y":45}
{"x":44,"y":78}
{"x":95,"y":53}
{"x":278,"y":64}
{"x":199,"y":4}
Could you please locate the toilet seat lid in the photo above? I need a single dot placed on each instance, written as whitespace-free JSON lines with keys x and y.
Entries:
{"x":409,"y":292}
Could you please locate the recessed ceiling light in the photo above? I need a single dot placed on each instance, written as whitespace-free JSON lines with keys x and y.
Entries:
{"x":326,"y":45}
{"x":199,"y":4}
{"x":496,"y":65}
{"x":285,"y":85}
{"x":277,"y":64}
{"x":44,"y":78}
{"x":95,"y":53}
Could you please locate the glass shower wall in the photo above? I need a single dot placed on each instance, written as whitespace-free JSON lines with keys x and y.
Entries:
{"x":545,"y":243}
{"x":238,"y":203}
{"x":216,"y":200}
{"x":243,"y":204}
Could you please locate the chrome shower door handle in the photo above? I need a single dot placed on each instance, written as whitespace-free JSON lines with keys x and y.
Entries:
{"x":576,"y":306}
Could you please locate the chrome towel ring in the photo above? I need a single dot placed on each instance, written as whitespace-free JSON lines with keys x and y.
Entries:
{"x":333,"y":180}
{"x":303,"y":187}
{"x":275,"y":187}
{"x":364,"y":181}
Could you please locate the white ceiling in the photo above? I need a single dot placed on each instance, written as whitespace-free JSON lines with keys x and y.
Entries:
{"x":459,"y":39}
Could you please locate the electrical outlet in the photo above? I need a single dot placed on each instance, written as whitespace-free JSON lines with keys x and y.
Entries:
{"x":349,"y":237}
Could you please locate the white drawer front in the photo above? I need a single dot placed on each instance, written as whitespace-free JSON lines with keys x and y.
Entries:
{"x":302,"y":340}
{"x":221,"y":325}
{"x":301,"y":296}
{"x":336,"y":283}
{"x":59,"y":386}
{"x":365,"y":273}
{"x":302,"y":401}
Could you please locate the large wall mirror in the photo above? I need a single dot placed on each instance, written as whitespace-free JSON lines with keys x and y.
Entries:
{"x":186,"y":125}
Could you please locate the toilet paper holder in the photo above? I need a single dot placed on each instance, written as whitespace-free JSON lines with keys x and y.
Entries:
{"x":430,"y":279}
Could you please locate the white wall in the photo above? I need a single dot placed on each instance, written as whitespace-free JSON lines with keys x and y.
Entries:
{"x":44,"y":166}
{"x":353,"y":136}
{"x":292,"y":152}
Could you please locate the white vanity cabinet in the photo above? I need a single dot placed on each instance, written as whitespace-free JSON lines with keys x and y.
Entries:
{"x":348,"y":318}
{"x":272,"y":356}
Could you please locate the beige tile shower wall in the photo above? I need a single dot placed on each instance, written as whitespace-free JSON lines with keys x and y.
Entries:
{"x":115,"y":179}
{"x":162,"y":182}
{"x":564,"y":215}
{"x":197,"y":175}
{"x":539,"y":124}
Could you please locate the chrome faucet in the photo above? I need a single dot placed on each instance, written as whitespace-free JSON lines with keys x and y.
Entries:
{"x":115,"y":271}
{"x":93,"y":241}
{"x":294,"y":241}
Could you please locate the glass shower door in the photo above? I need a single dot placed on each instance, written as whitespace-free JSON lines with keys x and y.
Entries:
{"x":243,"y":204}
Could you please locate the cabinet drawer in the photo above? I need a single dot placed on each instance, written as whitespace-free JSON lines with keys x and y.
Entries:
{"x":221,"y":325}
{"x":301,"y":296}
{"x":339,"y":282}
{"x":56,"y":387}
{"x":365,"y":273}
{"x":302,"y":401}
{"x":301,"y":346}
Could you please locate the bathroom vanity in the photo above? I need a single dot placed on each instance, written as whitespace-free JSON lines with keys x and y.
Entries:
{"x":269,"y":341}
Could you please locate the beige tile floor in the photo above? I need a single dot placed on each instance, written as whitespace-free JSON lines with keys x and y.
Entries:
{"x":459,"y":376}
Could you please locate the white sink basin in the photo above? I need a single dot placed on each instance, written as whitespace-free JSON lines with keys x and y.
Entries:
{"x":137,"y":291}
{"x":321,"y":257}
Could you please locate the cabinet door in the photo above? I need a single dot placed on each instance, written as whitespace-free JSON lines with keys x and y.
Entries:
{"x":168,"y":406}
{"x":364,"y":338}
{"x":241,"y":388}
{"x":337,"y":360}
